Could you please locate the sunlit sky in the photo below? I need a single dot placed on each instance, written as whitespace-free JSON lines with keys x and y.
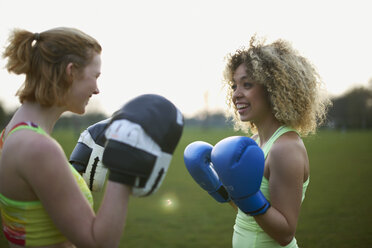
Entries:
{"x":176,"y":48}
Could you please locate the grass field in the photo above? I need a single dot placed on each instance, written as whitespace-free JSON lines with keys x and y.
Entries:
{"x":335,"y":213}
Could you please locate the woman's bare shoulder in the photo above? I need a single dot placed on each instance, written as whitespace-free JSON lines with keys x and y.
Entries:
{"x":27,"y":147}
{"x":288,"y":153}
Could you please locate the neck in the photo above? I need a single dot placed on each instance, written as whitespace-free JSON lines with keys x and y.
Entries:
{"x":267,"y":128}
{"x":45,"y":117}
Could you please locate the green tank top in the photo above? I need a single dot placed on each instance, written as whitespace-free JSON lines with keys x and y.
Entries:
{"x":26,"y":223}
{"x":248,"y":222}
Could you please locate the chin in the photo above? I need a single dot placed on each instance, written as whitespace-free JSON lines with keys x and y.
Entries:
{"x":78,"y":111}
{"x":81,"y":112}
{"x":244,"y":119}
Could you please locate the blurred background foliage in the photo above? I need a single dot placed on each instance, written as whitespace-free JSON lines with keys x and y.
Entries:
{"x":351,"y":110}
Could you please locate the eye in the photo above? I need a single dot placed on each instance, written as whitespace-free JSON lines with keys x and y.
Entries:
{"x":248,"y":85}
{"x":233,"y":87}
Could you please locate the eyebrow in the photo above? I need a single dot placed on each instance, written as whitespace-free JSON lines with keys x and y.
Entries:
{"x":244,"y":77}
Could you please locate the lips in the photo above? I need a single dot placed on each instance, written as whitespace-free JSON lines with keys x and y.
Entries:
{"x":240,"y":106}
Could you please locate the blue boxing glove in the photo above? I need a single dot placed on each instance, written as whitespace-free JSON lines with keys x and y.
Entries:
{"x":240,"y":162}
{"x":197,"y":158}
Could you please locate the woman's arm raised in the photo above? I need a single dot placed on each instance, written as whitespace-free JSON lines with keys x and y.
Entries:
{"x":48,"y":173}
{"x":287,"y":162}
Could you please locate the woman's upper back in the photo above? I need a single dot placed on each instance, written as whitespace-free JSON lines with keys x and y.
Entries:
{"x":28,"y":155}
{"x":22,"y":154}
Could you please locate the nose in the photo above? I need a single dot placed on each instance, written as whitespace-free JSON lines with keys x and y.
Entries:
{"x":237,"y":93}
{"x":96,"y":91}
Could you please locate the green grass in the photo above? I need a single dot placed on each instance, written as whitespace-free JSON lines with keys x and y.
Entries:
{"x":335,"y":213}
{"x":337,"y":208}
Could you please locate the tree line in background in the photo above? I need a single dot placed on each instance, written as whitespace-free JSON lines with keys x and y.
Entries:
{"x":352,"y":110}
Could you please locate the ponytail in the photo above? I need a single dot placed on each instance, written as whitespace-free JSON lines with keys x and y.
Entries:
{"x":19,"y":51}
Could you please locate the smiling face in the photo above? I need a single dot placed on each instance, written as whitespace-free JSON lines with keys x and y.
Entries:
{"x":84,"y":86}
{"x":249,"y":97}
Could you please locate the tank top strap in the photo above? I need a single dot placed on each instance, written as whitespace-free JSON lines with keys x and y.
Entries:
{"x":22,"y":125}
{"x":2,"y":139}
{"x":279,"y":132}
{"x":26,"y":125}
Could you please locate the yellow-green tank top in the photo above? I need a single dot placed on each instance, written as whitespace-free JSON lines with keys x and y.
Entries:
{"x":248,"y":223}
{"x":26,"y":223}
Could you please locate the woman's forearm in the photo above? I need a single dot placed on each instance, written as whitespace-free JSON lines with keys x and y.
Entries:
{"x":111,"y":216}
{"x":276,"y":226}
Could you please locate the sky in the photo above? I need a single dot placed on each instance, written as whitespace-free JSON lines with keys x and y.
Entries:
{"x":177,"y":48}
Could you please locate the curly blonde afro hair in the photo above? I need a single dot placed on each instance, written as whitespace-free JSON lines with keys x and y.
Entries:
{"x":294,"y":87}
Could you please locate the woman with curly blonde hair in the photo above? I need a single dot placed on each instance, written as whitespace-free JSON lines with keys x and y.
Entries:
{"x":276,"y":94}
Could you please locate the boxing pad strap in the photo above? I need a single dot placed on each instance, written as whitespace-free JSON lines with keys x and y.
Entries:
{"x":128,"y":164}
{"x":79,"y":157}
{"x":156,"y":177}
{"x":95,"y":173}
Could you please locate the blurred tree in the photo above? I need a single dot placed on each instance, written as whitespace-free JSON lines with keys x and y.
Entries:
{"x":353,"y":109}
{"x":2,"y":114}
{"x":71,"y":121}
{"x":79,"y":122}
{"x":4,"y":117}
